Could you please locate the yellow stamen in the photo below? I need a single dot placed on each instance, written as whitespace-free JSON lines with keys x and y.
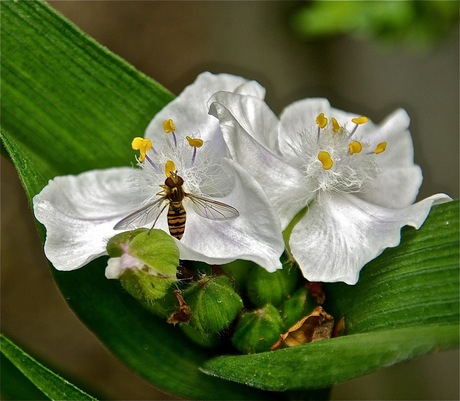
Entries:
{"x":143,"y":145}
{"x":335,"y":125}
{"x":325,"y":159}
{"x":194,"y":142}
{"x":380,"y":148}
{"x":168,"y":126}
{"x":321,"y":120}
{"x":355,"y":147}
{"x":170,"y":168}
{"x":360,"y":120}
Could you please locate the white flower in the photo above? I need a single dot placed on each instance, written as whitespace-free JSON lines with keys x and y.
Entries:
{"x":80,"y":212}
{"x":357,"y":180}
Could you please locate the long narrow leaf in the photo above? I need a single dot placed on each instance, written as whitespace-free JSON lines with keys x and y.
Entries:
{"x":327,"y":362}
{"x":49,"y":383}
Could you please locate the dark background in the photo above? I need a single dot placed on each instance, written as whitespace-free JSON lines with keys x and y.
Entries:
{"x":173,"y":42}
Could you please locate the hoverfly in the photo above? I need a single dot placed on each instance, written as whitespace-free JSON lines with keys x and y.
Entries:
{"x":173,"y":193}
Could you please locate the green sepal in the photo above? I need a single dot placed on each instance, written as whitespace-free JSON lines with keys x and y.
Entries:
{"x":300,"y":304}
{"x":117,"y":243}
{"x":145,"y":287}
{"x":213,"y":302}
{"x":271,"y":288}
{"x":258,"y":330}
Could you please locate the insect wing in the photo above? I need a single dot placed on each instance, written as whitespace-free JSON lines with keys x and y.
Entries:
{"x":211,"y":209}
{"x":143,"y":216}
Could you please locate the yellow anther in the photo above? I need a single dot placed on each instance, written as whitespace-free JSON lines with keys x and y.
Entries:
{"x":170,"y":168}
{"x":335,"y":125}
{"x":194,"y":142}
{"x":168,"y":126}
{"x":143,"y":145}
{"x":355,"y":147}
{"x":325,"y":159}
{"x":360,"y":120}
{"x":380,"y":148}
{"x":321,"y":120}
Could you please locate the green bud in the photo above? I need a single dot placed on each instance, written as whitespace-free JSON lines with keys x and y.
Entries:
{"x":213,"y":303}
{"x":117,"y":244}
{"x":153,"y":251}
{"x":203,"y":340}
{"x":258,"y":330}
{"x":297,"y":306}
{"x":271,"y":288}
{"x":238,"y":271}
{"x":157,"y":250}
{"x":144,"y":286}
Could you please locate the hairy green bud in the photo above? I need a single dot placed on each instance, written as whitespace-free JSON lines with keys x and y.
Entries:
{"x":271,"y":288}
{"x":258,"y":330}
{"x":213,"y":303}
{"x":297,"y":306}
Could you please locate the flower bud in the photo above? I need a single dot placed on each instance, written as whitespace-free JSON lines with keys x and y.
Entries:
{"x":238,"y":271}
{"x":116,"y":246}
{"x":213,"y":303}
{"x":203,"y":340}
{"x":298,"y":305}
{"x":258,"y":330}
{"x":152,"y":251}
{"x":144,"y":286}
{"x":271,"y":288}
{"x":145,"y":261}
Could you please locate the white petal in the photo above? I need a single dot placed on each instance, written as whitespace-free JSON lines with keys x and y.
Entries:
{"x":79,"y":213}
{"x":394,"y":188}
{"x":399,"y":180}
{"x":394,"y":131}
{"x":341,"y":233}
{"x":299,"y":118}
{"x":251,"y":88}
{"x":282,"y":182}
{"x":252,"y":114}
{"x":255,"y":235}
{"x":189,"y":110}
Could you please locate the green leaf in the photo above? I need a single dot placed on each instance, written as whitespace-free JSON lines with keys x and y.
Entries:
{"x":406,"y":304}
{"x":67,"y":99}
{"x":51,"y":385}
{"x":69,"y":105}
{"x":326,"y":362}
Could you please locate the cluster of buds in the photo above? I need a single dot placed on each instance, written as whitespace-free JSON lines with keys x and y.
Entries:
{"x":239,"y":302}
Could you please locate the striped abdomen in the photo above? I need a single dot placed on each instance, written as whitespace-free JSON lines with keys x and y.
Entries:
{"x":176,"y":219}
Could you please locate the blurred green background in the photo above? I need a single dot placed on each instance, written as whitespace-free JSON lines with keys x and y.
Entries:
{"x":367,"y":57}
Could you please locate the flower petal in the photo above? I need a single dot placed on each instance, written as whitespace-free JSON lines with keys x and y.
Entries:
{"x":79,"y":213}
{"x":251,"y":88}
{"x":189,"y":111}
{"x":394,"y":131}
{"x":394,"y":188}
{"x":282,"y":183}
{"x":341,"y":233}
{"x":255,"y":235}
{"x":399,"y":180}
{"x":252,"y":114}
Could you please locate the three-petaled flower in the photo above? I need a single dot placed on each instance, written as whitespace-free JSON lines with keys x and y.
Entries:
{"x":356,"y":181}
{"x":183,"y":143}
